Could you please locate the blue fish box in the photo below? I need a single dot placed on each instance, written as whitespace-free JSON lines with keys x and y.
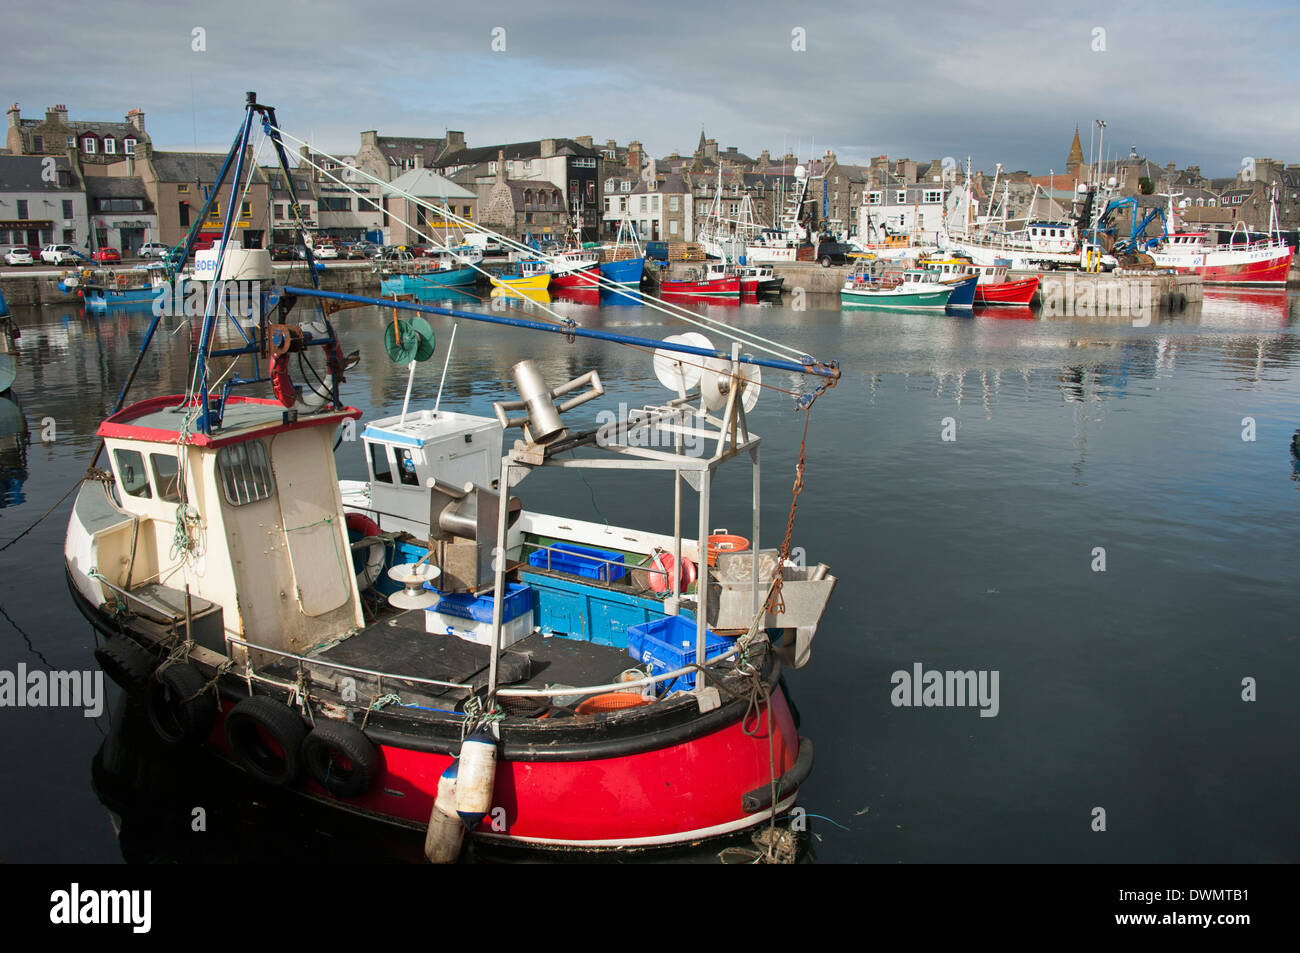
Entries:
{"x":668,"y":644}
{"x":603,"y":564}
{"x":466,"y":605}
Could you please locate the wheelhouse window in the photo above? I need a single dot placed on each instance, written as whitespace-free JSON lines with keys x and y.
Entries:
{"x":131,"y":475}
{"x":245,"y":472}
{"x":166,"y":476}
{"x":406,"y":466}
{"x":381,"y":471}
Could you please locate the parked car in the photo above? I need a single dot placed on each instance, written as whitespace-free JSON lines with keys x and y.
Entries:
{"x":362,"y":250}
{"x":326,"y":251}
{"x":107,"y":254}
{"x":58,"y":254}
{"x":154,"y":250}
{"x":19,"y":255}
{"x":281,"y":252}
{"x":831,"y":252}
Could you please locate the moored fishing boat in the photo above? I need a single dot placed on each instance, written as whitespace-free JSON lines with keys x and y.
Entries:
{"x":407,"y":274}
{"x":715,"y":280}
{"x":1259,"y":262}
{"x":757,"y":280}
{"x":104,"y":289}
{"x":530,"y":274}
{"x":909,"y":290}
{"x":466,"y":666}
{"x":575,"y":269}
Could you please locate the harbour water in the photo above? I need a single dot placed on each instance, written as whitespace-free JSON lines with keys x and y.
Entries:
{"x":968,"y":478}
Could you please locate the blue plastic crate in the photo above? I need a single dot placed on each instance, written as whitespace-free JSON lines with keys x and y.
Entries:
{"x":669,"y":643}
{"x":466,"y":605}
{"x":603,"y":564}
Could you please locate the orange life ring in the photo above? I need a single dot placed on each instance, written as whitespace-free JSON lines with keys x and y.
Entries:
{"x":611,"y":701}
{"x":661,"y":568}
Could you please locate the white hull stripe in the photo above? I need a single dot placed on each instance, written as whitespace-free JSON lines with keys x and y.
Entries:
{"x":657,"y":840}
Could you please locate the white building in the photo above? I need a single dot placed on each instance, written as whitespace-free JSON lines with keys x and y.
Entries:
{"x":41,"y":202}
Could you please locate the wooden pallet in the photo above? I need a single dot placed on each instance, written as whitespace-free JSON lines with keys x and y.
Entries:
{"x":685,"y":251}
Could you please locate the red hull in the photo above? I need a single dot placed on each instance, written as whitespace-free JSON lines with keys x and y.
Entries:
{"x":1013,"y":293}
{"x":714,"y":288}
{"x":1270,"y":272}
{"x":585,"y":278}
{"x":681,"y":793}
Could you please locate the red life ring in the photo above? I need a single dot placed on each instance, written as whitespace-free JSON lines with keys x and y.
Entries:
{"x":661,"y":580}
{"x":281,"y":384}
{"x":361,"y":523}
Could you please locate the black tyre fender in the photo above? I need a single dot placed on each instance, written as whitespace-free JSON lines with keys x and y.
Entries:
{"x":181,"y":709}
{"x":340,"y":758}
{"x":126,"y":663}
{"x":1182,"y":301}
{"x":254,"y":722}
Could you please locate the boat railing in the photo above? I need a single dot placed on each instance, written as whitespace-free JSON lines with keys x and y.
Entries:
{"x":607,"y":564}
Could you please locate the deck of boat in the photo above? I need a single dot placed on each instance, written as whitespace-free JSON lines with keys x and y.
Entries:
{"x":401,"y":646}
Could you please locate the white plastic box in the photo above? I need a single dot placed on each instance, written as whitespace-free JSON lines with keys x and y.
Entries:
{"x":471,"y":630}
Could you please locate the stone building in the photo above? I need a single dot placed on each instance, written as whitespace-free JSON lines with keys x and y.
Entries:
{"x":93,"y":142}
{"x":387,"y":157}
{"x":564,"y":164}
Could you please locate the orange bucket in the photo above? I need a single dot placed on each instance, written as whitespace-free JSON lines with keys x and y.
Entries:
{"x":721,"y":542}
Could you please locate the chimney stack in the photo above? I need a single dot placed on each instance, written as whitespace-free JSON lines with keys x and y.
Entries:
{"x":136,"y":118}
{"x":547,"y":148}
{"x":501,"y":167}
{"x":15,"y":117}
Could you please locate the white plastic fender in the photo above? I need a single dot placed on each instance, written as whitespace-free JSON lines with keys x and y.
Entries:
{"x":478,"y":763}
{"x":445,"y":832}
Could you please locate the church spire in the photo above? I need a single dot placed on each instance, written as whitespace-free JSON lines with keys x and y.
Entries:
{"x":1075,"y":158}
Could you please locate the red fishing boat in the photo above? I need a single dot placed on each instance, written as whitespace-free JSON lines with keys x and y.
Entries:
{"x":575,"y":269}
{"x":1246,"y":262}
{"x":420,"y":648}
{"x":1016,"y":293}
{"x":715,"y":281}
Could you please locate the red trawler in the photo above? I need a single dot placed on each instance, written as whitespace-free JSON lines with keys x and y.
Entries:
{"x":715,"y":281}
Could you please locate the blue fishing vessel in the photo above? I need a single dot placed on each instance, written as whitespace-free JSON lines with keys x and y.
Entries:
{"x":422,"y":282}
{"x":963,"y":293}
{"x":104,"y":289}
{"x":626,"y":272}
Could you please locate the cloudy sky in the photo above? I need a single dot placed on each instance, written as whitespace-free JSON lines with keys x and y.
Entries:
{"x":1195,"y":83}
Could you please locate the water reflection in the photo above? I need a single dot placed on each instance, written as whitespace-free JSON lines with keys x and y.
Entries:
{"x":14,"y":440}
